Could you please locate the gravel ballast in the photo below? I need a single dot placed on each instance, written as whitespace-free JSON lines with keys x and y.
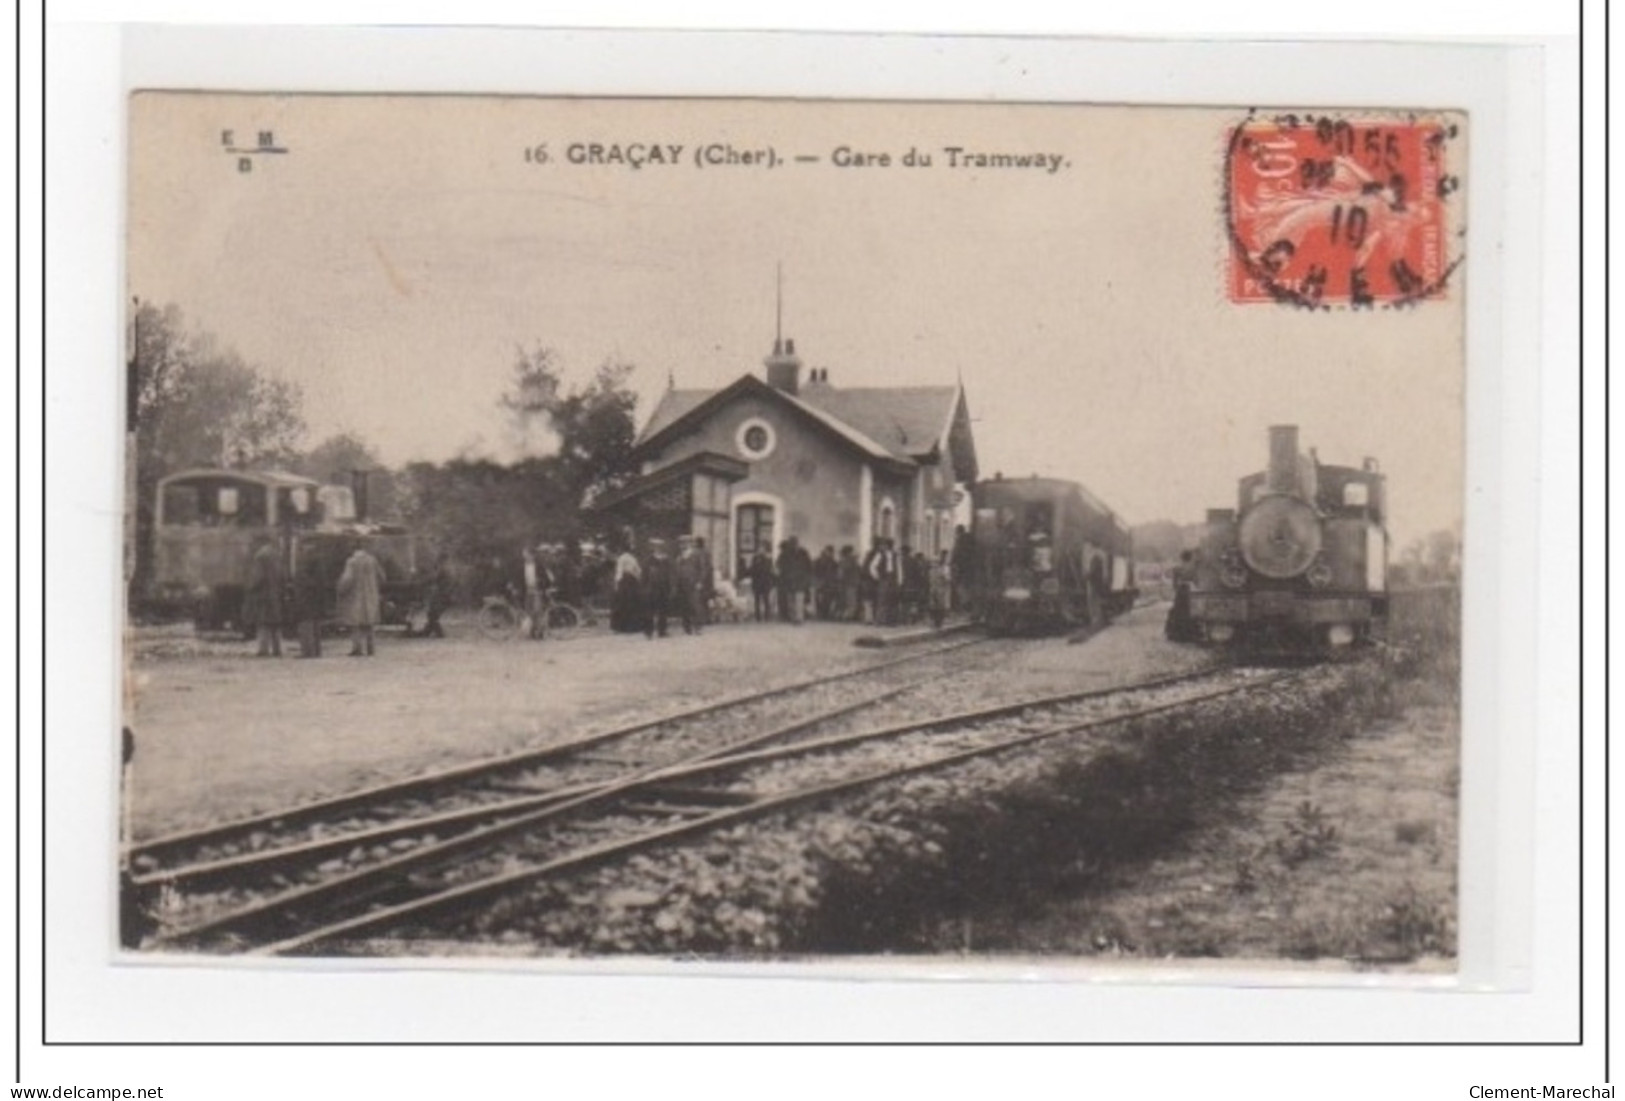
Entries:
{"x":867,"y":870}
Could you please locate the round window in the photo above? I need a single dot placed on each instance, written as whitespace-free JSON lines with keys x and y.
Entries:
{"x":755,"y":439}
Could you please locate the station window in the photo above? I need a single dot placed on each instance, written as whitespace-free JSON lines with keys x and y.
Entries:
{"x":755,"y":439}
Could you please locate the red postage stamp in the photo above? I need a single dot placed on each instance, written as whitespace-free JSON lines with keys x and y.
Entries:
{"x":1324,"y":211}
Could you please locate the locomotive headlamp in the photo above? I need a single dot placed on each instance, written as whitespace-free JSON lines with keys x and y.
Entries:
{"x":1017,"y":593}
{"x":1340,"y":634}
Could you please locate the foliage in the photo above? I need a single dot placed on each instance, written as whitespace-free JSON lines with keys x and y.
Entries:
{"x":1161,"y":541}
{"x":475,"y":508}
{"x":1307,"y":836}
{"x":198,"y":404}
{"x":572,"y":440}
{"x":1424,"y":645}
{"x":332,"y":460}
{"x":587,"y":431}
{"x":1431,"y":560}
{"x":194,"y":403}
{"x":1408,"y":925}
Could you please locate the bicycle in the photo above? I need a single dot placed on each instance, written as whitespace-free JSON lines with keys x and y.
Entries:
{"x":500,"y":620}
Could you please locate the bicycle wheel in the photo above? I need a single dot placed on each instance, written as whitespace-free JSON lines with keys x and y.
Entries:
{"x":562,"y":620}
{"x":498,"y":622}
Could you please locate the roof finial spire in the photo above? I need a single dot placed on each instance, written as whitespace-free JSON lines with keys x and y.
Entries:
{"x":778,"y":312}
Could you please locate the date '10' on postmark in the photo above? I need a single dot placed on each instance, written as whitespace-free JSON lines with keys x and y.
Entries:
{"x":1324,"y":211}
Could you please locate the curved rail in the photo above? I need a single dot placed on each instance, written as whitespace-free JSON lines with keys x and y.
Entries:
{"x":464,"y":894}
{"x":361,"y":885}
{"x":165,"y":848}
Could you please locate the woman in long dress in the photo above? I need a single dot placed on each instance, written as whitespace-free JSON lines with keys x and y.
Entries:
{"x":626,"y":612}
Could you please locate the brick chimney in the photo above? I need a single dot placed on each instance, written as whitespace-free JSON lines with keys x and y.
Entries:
{"x":784,"y":367}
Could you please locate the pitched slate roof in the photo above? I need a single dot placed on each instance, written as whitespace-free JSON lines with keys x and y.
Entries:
{"x":674,"y":405}
{"x":900,"y":422}
{"x":906,"y":420}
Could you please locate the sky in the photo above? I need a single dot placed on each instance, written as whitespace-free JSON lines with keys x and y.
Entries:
{"x":393,"y":260}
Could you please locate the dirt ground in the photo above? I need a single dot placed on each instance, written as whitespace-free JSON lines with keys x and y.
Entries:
{"x":221,"y":735}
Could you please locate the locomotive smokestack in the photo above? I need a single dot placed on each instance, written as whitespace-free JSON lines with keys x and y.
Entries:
{"x":1282,"y":476}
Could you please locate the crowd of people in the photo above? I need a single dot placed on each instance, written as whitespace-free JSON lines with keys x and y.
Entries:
{"x":885,"y":587}
{"x":651,"y":592}
{"x":666,"y":584}
{"x":270,"y":602}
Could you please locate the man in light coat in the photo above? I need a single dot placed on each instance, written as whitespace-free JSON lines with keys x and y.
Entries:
{"x":360,"y":600}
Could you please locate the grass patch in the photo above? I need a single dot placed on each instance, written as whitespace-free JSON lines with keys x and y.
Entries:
{"x":1314,"y":824}
{"x":1080,"y":820}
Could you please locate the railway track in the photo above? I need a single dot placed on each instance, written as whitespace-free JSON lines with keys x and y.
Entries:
{"x":710,"y":787}
{"x":198,"y":870}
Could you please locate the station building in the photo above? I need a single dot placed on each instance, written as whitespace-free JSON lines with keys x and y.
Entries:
{"x":768,"y":457}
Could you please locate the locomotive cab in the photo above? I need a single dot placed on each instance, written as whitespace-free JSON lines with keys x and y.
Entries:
{"x":1049,"y":555}
{"x":209,"y":522}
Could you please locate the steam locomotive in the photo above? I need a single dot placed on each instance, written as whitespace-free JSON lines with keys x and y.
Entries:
{"x":1048,"y":554}
{"x":209,"y":522}
{"x":1301,"y":562}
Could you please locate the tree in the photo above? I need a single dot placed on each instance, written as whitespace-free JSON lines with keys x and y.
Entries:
{"x":334,"y":458}
{"x":569,"y":439}
{"x":474,"y":509}
{"x":589,"y":431}
{"x":1443,"y":550}
{"x":1158,"y":541}
{"x":197,"y":404}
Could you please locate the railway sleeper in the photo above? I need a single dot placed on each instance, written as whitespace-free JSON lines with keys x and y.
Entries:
{"x":696,"y":796}
{"x":515,"y":787}
{"x":666,"y":810}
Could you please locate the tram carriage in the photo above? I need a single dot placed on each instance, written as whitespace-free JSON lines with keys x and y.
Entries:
{"x":1049,"y":555}
{"x":1301,"y":563}
{"x":208,"y":523}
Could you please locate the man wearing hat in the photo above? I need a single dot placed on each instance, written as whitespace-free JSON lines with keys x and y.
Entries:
{"x":692,"y":575}
{"x":658,"y":584}
{"x":262,"y":604}
{"x":359,"y":599}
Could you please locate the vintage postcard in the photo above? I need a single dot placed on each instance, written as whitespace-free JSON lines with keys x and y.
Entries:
{"x":780,"y":530}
